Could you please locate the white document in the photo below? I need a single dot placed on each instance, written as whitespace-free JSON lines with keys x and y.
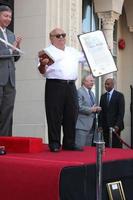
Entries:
{"x":97,"y":53}
{"x":10,"y":45}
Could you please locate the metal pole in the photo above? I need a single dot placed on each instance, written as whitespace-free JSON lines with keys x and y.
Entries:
{"x":110,"y":136}
{"x":100,"y":146}
{"x":131,"y":110}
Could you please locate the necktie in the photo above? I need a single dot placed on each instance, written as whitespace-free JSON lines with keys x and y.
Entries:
{"x":108,"y":97}
{"x":91,"y":98}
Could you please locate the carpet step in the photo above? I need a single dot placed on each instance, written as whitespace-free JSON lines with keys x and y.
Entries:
{"x":22,"y":144}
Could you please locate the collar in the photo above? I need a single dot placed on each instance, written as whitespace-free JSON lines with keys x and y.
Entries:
{"x":3,"y":29}
{"x":111,"y":92}
{"x":85,"y":88}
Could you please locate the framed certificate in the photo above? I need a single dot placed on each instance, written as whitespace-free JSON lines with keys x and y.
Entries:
{"x":97,"y":53}
{"x":115,"y":191}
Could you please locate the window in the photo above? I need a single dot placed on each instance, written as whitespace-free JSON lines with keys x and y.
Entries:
{"x":89,"y":19}
{"x":89,"y":23}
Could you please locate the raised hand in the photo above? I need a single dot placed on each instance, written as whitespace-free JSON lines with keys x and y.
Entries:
{"x":17,"y":42}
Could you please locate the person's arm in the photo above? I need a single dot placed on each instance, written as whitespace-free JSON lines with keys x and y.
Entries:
{"x":83,"y":108}
{"x":44,"y":61}
{"x":82,"y":58}
{"x":100,"y":114}
{"x":9,"y":52}
{"x":16,"y":44}
{"x":121,"y":112}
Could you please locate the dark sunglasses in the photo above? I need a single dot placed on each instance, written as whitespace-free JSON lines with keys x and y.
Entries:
{"x":62,"y":35}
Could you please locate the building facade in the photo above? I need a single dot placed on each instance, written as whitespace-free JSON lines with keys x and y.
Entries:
{"x":33,"y":20}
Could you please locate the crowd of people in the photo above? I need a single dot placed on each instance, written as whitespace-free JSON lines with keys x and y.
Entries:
{"x":76,"y":110}
{"x":68,"y":109}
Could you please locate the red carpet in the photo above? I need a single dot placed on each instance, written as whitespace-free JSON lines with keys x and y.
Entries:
{"x":35,"y":176}
{"x":22,"y":144}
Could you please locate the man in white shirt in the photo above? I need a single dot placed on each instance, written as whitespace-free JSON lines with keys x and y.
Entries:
{"x":60,"y":91}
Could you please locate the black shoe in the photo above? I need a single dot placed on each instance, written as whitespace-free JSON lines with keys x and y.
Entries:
{"x":54,"y":149}
{"x":73,"y":148}
{"x":78,"y":148}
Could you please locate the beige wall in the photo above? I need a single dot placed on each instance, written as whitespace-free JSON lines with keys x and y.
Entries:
{"x":125,"y":72}
{"x":29,"y":114}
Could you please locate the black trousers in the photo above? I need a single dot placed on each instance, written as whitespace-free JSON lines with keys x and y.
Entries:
{"x":115,"y":140}
{"x":61,"y":104}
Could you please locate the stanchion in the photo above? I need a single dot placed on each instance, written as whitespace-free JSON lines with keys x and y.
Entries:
{"x":100,"y":147}
{"x":110,"y":136}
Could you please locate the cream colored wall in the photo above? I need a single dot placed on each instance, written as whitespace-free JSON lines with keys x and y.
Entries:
{"x":125,"y":72}
{"x":29,"y":114}
{"x":33,"y":20}
{"x":108,"y":5}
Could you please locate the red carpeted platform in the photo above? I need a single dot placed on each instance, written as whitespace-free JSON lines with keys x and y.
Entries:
{"x":22,"y":144}
{"x":35,"y":176}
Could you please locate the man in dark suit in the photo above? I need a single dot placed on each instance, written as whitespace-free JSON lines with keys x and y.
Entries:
{"x":112,"y":114}
{"x":8,"y":56}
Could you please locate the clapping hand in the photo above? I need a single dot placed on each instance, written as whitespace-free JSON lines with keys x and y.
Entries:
{"x":17,"y":42}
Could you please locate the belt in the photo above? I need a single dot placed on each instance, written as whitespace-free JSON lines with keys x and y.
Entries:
{"x":61,"y":81}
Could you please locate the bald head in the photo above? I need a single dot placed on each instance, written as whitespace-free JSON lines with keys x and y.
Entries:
{"x":58,"y":38}
{"x":56,"y":31}
{"x":109,"y":84}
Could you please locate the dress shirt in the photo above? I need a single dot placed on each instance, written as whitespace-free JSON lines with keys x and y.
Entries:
{"x":90,"y":95}
{"x":4,"y":34}
{"x":66,"y":63}
{"x":110,"y":93}
{"x":108,"y":98}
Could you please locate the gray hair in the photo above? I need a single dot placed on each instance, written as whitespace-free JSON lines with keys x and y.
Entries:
{"x":85,"y":75}
{"x":5,"y":8}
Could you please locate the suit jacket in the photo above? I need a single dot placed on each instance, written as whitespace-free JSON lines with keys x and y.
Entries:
{"x":113,"y":113}
{"x":7,"y":60}
{"x":85,"y":117}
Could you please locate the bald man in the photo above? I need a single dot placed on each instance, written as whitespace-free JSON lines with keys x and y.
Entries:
{"x":60,"y":92}
{"x":112,"y":114}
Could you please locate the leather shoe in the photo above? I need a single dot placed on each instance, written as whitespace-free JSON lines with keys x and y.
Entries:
{"x":73,"y":148}
{"x":54,"y":149}
{"x":78,"y":148}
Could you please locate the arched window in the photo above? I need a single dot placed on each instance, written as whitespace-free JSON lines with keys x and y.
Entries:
{"x":89,"y":19}
{"x":89,"y":23}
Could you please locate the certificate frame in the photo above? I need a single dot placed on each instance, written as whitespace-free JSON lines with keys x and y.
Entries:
{"x":115,"y":191}
{"x":97,"y":53}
